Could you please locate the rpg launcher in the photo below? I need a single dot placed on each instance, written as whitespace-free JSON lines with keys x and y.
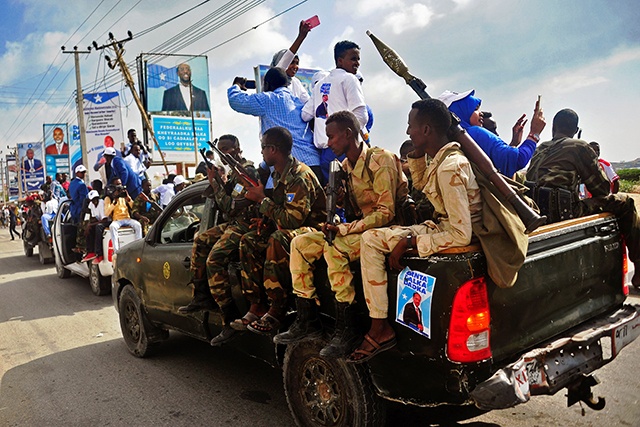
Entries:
{"x":333,"y":188}
{"x":528,"y":216}
{"x":235,"y":165}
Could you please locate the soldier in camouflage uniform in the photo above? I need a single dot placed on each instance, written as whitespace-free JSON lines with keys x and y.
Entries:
{"x":372,"y":194}
{"x":145,"y":207}
{"x":565,"y":163}
{"x":296,"y":207}
{"x":215,"y":248}
{"x":424,"y":208}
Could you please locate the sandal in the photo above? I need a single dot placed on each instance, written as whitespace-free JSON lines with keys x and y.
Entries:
{"x":265,"y":325}
{"x":360,"y":355}
{"x":241,"y":324}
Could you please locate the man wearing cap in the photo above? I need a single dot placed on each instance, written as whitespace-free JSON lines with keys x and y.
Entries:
{"x":507,"y":159}
{"x":120,"y":169}
{"x":116,"y":206}
{"x":77,"y":193}
{"x":98,"y":221}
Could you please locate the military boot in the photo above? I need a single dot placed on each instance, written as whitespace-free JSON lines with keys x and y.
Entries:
{"x":229,"y":314}
{"x":346,"y":336}
{"x":307,"y":325}
{"x":202,"y":299}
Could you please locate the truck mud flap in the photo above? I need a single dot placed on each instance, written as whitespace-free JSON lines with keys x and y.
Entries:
{"x":548,"y":369}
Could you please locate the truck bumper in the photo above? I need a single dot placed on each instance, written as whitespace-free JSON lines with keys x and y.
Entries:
{"x":548,"y":369}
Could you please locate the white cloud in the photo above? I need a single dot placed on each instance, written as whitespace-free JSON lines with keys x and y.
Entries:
{"x":408,"y":18}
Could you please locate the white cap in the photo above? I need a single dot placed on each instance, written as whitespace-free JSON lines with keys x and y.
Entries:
{"x":449,"y":97}
{"x":179,"y":179}
{"x":80,"y":168}
{"x":109,"y":151}
{"x":92,"y":194}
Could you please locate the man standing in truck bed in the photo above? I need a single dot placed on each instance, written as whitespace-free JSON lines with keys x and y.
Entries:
{"x":565,"y":162}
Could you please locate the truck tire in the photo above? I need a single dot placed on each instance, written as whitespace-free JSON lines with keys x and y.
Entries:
{"x":62,"y":272}
{"x":28,"y":250}
{"x":100,"y":285}
{"x":329,"y":392}
{"x":142,"y":337}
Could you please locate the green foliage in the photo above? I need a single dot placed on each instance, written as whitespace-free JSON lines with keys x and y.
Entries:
{"x":629,"y":175}
{"x":627,"y":186}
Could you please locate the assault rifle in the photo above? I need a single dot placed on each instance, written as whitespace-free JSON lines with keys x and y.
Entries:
{"x":211,"y":165}
{"x":333,"y":188}
{"x":529,"y":217}
{"x":235,"y":165}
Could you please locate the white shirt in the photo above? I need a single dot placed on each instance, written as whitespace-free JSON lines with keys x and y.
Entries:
{"x":186,"y":95}
{"x":135,"y":163}
{"x":51,"y":207}
{"x":344,"y":92}
{"x":97,"y":212}
{"x":166,"y":193}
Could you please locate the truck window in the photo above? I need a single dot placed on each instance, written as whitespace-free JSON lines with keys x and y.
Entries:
{"x":181,"y":225}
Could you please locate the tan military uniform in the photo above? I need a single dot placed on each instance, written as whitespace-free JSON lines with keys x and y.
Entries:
{"x":451,"y":186}
{"x":375,"y":201}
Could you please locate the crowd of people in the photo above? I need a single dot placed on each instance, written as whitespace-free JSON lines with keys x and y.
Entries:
{"x":275,"y":214}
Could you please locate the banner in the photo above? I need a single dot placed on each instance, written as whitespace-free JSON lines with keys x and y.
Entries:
{"x":56,"y":148}
{"x":103,"y":128}
{"x":75,"y":149}
{"x":31,"y":166}
{"x":305,"y":76}
{"x":12,"y":177}
{"x":413,"y":308}
{"x":175,"y":137}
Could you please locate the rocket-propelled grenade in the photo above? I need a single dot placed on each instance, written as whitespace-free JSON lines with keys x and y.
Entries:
{"x":528,"y":216}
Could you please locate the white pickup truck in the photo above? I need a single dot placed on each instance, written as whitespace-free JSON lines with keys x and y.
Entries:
{"x":67,"y":261}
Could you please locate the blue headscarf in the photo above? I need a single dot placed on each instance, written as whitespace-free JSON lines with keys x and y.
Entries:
{"x":464,"y":108}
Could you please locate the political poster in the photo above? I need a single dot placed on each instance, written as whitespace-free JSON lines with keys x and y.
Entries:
{"x":414,"y":300}
{"x":103,"y":128}
{"x":175,"y":136}
{"x":30,"y":161}
{"x":75,"y":149}
{"x":56,"y":148}
{"x":176,"y":84}
{"x":12,"y":177}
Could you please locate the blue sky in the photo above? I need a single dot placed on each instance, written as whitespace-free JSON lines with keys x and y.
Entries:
{"x":583,"y":55}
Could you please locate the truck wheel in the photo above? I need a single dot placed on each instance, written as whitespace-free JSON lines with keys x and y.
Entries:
{"x":142,"y":337}
{"x":100,"y":285}
{"x":329,"y":392}
{"x":28,"y":250}
{"x":62,"y":272}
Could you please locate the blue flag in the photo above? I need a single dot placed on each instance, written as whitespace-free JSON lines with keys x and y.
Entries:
{"x":159,"y":76}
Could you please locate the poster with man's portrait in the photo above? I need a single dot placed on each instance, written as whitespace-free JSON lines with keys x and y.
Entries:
{"x":56,"y":148}
{"x":413,"y":308}
{"x":176,"y":85}
{"x":31,"y":166}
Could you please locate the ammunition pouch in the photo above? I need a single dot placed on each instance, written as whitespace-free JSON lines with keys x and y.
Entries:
{"x":557,"y":204}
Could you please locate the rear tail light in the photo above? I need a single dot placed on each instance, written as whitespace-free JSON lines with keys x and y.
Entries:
{"x":469,"y":328}
{"x":110,"y":251}
{"x":625,"y":270}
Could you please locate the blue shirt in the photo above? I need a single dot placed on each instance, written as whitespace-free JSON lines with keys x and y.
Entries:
{"x":77,"y":192}
{"x":130,"y":179}
{"x":278,"y":108}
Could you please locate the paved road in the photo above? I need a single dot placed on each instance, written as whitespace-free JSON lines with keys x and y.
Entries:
{"x":63,"y":363}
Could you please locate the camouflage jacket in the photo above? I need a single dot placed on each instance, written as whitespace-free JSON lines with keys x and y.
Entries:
{"x":567,"y":163}
{"x":230,"y":198}
{"x":298,"y":198}
{"x":373,"y":199}
{"x":146,"y":208}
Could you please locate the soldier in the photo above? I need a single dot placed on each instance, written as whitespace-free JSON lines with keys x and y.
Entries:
{"x":564,"y":163}
{"x":145,"y":207}
{"x":454,"y":193}
{"x":372,"y":182}
{"x":297,"y":207}
{"x":424,"y":208}
{"x":215,"y":248}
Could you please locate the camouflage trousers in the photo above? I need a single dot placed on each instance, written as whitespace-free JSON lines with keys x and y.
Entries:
{"x":308,"y":248}
{"x":266,"y":261}
{"x":81,"y":238}
{"x":211,"y":254}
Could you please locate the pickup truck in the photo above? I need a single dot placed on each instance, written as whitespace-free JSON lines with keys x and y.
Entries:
{"x":64,"y":232}
{"x":492,"y":347}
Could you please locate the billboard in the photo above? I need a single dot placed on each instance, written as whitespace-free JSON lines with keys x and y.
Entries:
{"x":305,"y":75}
{"x":56,"y":148}
{"x":103,"y":127}
{"x":31,"y":165}
{"x":12,"y":177}
{"x":175,"y":136}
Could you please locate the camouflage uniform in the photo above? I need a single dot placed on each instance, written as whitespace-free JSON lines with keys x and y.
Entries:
{"x":424,"y":208}
{"x":375,"y":201}
{"x":451,"y":186}
{"x":297,"y":206}
{"x":141,"y":208}
{"x":567,"y":163}
{"x":215,"y":248}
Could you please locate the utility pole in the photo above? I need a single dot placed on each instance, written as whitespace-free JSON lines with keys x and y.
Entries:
{"x":80,"y":102}
{"x":118,"y":49}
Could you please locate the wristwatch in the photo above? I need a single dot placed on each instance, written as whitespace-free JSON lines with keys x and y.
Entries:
{"x":534,"y":136}
{"x":409,"y":242}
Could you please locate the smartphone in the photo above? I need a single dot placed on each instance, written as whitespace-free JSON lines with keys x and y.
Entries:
{"x":250,"y":84}
{"x":313,"y":22}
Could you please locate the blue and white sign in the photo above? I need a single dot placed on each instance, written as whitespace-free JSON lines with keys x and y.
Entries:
{"x":413,"y":308}
{"x":31,"y":166}
{"x":175,"y":136}
{"x":103,"y":125}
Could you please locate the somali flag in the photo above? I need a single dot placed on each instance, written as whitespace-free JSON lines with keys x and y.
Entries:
{"x":159,"y":76}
